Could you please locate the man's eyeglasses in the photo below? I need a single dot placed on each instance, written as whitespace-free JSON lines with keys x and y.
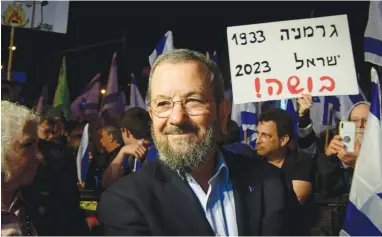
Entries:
{"x":162,"y":108}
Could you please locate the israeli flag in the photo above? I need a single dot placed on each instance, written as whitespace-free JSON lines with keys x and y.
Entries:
{"x":136,"y":99}
{"x":364,"y":211}
{"x":339,"y":108}
{"x":373,"y":34}
{"x":165,"y":44}
{"x":83,"y":156}
{"x":245,"y":115}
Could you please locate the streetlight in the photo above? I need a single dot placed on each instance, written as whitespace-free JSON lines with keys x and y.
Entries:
{"x":103,"y":91}
{"x":13,"y":48}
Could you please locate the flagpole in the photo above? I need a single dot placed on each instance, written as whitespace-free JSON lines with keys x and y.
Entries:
{"x":10,"y":58}
{"x":327,"y":127}
{"x":245,"y":136}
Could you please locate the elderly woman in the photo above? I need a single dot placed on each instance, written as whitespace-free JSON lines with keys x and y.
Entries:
{"x":19,"y":162}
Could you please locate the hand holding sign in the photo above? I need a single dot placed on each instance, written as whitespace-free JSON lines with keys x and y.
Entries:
{"x":280,"y":60}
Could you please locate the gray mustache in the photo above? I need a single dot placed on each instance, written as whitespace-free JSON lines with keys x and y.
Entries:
{"x":181,"y":129}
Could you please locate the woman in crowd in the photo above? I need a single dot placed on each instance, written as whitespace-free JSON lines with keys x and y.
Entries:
{"x":19,"y":162}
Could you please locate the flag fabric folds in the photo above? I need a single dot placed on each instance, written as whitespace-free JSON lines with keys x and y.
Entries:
{"x":61,"y":97}
{"x":373,"y":34}
{"x":88,"y":102}
{"x":340,"y":106}
{"x":110,"y":99}
{"x":42,"y":101}
{"x":165,"y":44}
{"x":83,"y":155}
{"x":363,"y":215}
{"x":245,"y":115}
{"x":136,"y":99}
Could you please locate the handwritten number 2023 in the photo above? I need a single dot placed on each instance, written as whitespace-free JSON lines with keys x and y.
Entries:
{"x":252,"y":37}
{"x":256,"y":68}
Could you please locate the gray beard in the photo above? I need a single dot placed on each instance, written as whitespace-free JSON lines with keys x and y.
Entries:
{"x":193,"y":152}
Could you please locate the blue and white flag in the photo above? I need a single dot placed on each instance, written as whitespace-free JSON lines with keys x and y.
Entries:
{"x":136,"y":99}
{"x":364,"y":211}
{"x":373,"y":34}
{"x":83,"y":155}
{"x":110,"y":100}
{"x":340,"y":106}
{"x":88,"y":101}
{"x":246,"y":115}
{"x":165,"y":44}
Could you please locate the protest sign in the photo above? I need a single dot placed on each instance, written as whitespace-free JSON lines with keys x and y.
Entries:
{"x":39,"y":15}
{"x":279,"y":60}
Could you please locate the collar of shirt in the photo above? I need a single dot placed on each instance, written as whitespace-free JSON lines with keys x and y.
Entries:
{"x":222,"y":171}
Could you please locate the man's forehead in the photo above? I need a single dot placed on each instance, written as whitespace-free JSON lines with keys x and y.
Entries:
{"x":178,"y":79}
{"x":267,"y":125}
{"x":360,"y":110}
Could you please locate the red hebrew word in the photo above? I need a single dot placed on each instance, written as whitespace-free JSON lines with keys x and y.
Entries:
{"x":257,"y":87}
{"x":331,"y":82}
{"x":293,"y":84}
{"x":278,"y":83}
{"x":310,"y":84}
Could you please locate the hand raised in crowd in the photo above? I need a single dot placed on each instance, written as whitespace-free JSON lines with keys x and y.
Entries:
{"x":349,"y":158}
{"x":305,"y":103}
{"x":136,"y":150}
{"x":335,"y":146}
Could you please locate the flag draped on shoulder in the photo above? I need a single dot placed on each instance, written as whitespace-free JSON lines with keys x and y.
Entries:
{"x":363,"y":215}
{"x":61,"y":97}
{"x":373,"y":34}
{"x":83,"y":155}
{"x":165,"y":44}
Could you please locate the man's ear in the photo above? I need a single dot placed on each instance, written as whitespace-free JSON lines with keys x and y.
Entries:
{"x":150,"y":113}
{"x":224,"y":111}
{"x":284,"y":140}
{"x":110,"y":137}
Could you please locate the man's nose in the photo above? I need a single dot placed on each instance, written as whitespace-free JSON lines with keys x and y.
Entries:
{"x":178,"y":114}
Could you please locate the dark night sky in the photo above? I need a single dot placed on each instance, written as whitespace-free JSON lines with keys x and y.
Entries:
{"x":195,"y":25}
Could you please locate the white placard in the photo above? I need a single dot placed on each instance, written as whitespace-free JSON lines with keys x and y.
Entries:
{"x":268,"y":60}
{"x":44,"y":15}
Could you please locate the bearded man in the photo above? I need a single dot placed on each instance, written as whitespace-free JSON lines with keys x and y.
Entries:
{"x":195,"y":187}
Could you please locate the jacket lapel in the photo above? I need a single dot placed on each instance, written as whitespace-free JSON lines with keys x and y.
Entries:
{"x":184,"y":204}
{"x":248,"y":192}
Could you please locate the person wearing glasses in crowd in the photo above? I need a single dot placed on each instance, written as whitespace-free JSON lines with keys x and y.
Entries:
{"x":195,"y":188}
{"x":336,"y":166}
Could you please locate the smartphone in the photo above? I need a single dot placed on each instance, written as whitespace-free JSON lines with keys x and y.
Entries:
{"x":347,"y":134}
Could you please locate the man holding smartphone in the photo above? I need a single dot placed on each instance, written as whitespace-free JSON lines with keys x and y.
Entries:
{"x":336,"y":166}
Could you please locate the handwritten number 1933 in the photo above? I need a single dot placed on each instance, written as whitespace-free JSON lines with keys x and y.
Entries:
{"x":251,"y":37}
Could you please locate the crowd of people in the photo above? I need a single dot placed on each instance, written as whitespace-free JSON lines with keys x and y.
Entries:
{"x":178,"y":168}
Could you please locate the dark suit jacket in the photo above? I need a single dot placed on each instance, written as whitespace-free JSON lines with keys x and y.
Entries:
{"x":156,"y":201}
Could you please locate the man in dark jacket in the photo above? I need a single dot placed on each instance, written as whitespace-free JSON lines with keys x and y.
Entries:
{"x":195,"y":188}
